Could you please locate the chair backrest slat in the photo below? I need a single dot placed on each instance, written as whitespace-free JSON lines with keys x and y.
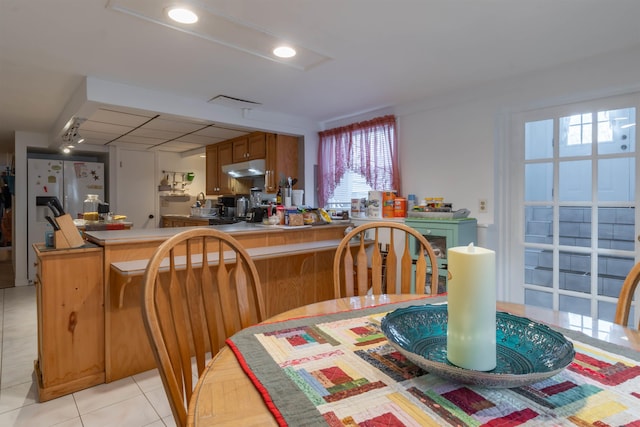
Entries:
{"x":629,"y":286}
{"x":191,"y":308}
{"x":370,"y":269}
{"x":362,"y":268}
{"x":376,"y":265}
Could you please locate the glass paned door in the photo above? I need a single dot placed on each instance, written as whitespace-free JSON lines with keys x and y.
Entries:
{"x":579,"y":210}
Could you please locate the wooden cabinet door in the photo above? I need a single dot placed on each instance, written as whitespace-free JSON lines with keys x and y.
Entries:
{"x":256,"y":146}
{"x":212,"y":170}
{"x":281,"y":159}
{"x":240,"y":148}
{"x":252,"y":146}
{"x":225,"y":157}
{"x":217,"y":156}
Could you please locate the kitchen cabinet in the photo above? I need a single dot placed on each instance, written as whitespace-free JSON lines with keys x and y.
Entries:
{"x":219,"y":155}
{"x":70,"y":314}
{"x":182,"y":221}
{"x":443,"y":234}
{"x":249,"y":147}
{"x":281,"y":160}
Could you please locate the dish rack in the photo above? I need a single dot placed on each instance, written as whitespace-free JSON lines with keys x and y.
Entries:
{"x":204,"y":212}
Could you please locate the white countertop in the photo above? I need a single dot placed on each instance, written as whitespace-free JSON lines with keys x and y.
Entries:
{"x":151,"y":234}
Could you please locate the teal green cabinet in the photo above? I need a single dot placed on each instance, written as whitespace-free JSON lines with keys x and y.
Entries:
{"x":443,"y":234}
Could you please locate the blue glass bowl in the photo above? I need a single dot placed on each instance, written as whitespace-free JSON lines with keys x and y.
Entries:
{"x":527,"y":351}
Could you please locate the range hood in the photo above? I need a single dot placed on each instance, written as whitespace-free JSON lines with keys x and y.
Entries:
{"x":250,"y":168}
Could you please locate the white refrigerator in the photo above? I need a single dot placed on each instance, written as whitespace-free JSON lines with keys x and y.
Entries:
{"x":70,"y":181}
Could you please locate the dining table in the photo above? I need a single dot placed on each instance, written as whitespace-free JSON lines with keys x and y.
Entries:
{"x":255,"y":381}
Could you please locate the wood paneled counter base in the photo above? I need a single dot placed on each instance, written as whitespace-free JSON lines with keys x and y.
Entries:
{"x":70,"y":307}
{"x":294,"y":265}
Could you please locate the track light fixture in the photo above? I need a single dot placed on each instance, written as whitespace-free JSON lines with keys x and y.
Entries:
{"x":71,"y":138}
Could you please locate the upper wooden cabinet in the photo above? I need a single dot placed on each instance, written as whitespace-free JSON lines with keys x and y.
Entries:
{"x":282,"y":160}
{"x":249,"y":147}
{"x":217,"y":156}
{"x":279,"y":151}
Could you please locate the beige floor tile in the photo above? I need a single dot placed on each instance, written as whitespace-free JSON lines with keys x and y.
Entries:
{"x":76,"y":422}
{"x":134,"y":412}
{"x":148,"y":380}
{"x":105,"y":395}
{"x":16,"y":372}
{"x":45,"y":414}
{"x":18,"y":396}
{"x":169,"y":421}
{"x":138,"y":401}
{"x":160,"y":402}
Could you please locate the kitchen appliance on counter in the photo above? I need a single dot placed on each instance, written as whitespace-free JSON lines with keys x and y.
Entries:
{"x":242,"y":207}
{"x":256,"y":197}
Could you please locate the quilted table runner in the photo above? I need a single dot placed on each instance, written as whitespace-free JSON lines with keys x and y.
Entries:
{"x":339,"y":370}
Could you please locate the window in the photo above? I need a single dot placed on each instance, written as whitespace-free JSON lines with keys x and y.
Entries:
{"x":351,"y":186}
{"x":355,"y":159}
{"x":576,"y":216}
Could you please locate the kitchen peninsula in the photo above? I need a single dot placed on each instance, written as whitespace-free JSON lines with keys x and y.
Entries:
{"x":294,"y":264}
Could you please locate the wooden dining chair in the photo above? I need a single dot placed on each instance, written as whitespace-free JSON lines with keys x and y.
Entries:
{"x":355,"y":273}
{"x":626,"y":296}
{"x":192,"y":303}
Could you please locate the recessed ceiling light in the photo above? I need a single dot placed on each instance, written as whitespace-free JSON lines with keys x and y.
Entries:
{"x":284,"y":52}
{"x":182,"y":15}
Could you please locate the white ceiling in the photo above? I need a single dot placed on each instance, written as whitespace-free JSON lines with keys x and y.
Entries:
{"x":361,"y":55}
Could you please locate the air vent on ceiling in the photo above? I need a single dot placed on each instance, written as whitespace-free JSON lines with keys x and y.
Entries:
{"x":230,"y":101}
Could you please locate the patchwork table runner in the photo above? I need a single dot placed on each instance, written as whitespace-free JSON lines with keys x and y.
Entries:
{"x":339,"y":370}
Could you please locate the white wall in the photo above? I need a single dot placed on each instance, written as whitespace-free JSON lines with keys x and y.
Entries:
{"x":175,"y":162}
{"x":457,"y":146}
{"x":451,"y":146}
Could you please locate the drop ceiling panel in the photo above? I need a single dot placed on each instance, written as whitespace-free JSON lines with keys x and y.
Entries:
{"x":174,"y":125}
{"x":220,"y":132}
{"x":147,"y":130}
{"x":199,"y":139}
{"x":179,"y":146}
{"x":93,"y":137}
{"x":121,"y":118}
{"x":105,"y":128}
{"x":137,"y":139}
{"x":155,"y":133}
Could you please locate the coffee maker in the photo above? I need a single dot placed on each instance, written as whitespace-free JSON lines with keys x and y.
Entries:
{"x":227,"y":206}
{"x":257,"y":210}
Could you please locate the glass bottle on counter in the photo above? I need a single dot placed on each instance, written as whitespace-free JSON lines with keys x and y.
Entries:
{"x":279,"y":196}
{"x":90,"y":207}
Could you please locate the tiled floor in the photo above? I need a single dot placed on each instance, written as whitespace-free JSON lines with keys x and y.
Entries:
{"x":131,"y":402}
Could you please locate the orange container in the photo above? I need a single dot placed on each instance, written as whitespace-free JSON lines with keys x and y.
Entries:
{"x":400,"y":207}
{"x":388,"y":201}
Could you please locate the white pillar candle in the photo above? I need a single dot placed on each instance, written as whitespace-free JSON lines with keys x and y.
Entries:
{"x":471,"y":295}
